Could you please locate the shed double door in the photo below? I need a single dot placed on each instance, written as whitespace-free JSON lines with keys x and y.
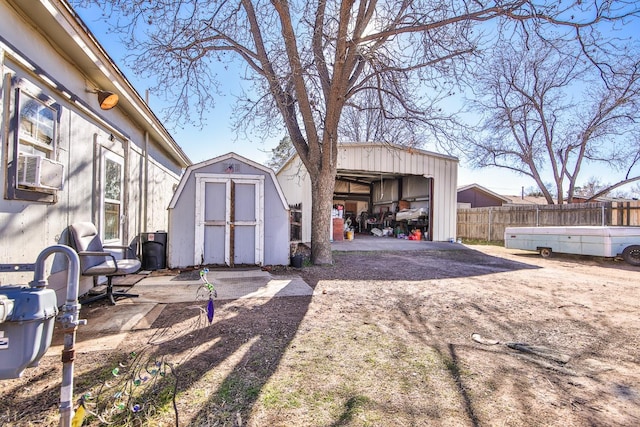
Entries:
{"x":229,"y":220}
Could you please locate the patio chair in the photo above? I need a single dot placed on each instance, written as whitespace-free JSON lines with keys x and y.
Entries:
{"x":95,"y":261}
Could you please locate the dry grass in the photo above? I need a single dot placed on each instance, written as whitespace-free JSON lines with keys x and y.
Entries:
{"x":384,"y":341}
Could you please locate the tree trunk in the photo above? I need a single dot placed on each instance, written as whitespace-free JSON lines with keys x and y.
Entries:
{"x":322,"y":187}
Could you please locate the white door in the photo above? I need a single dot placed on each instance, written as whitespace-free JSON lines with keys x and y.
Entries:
{"x":229,"y":220}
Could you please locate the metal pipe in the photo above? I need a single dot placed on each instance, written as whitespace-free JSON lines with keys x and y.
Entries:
{"x":68,"y":319}
{"x":145,"y":216}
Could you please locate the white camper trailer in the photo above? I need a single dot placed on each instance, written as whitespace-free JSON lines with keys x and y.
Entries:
{"x":585,"y":240}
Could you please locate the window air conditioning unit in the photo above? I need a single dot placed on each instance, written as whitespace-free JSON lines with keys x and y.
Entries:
{"x":40,"y":172}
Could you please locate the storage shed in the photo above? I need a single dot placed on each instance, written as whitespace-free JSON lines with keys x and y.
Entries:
{"x":382,"y":185}
{"x":228,"y":211}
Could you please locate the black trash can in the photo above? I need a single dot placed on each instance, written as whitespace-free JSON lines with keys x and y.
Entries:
{"x":296,"y":261}
{"x":154,"y":250}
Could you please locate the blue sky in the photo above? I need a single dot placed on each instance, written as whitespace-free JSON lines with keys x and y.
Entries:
{"x":217,"y":138}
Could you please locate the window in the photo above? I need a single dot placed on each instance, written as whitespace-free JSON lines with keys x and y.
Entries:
{"x":37,"y":126}
{"x":33,"y":172}
{"x":112,"y":191}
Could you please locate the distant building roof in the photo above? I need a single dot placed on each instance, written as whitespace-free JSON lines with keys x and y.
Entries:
{"x":582,"y":199}
{"x":479,"y":196}
{"x":526,"y":200}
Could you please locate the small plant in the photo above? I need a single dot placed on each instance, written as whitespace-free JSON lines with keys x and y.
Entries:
{"x":209,"y":287}
{"x":132,"y":390}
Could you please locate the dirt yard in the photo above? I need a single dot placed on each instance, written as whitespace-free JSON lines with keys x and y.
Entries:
{"x":477,"y":336}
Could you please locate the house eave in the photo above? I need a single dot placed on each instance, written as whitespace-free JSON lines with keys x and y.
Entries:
{"x":59,"y":23}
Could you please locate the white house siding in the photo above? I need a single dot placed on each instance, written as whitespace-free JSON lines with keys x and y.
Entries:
{"x":381,"y":158}
{"x":28,"y":50}
{"x":160,"y":181}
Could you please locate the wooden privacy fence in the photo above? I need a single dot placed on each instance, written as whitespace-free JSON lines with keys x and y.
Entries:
{"x":489,"y":223}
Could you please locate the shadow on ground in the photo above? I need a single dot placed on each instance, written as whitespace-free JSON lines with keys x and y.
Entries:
{"x":412,"y":265}
{"x":181,"y":371}
{"x":214,"y":374}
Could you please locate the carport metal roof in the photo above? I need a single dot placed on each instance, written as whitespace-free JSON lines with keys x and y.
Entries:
{"x":365,"y":177}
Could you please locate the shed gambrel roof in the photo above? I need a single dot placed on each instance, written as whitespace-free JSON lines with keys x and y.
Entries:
{"x":229,"y":156}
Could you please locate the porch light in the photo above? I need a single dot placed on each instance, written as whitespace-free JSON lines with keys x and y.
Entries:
{"x":106,"y":99}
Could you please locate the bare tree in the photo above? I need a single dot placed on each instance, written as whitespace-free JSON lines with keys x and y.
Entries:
{"x":548,"y":108}
{"x":593,"y":189}
{"x":281,"y":153}
{"x":366,"y":119}
{"x":363,"y":124}
{"x":308,"y":60}
{"x":588,"y":189}
{"x":633,"y":192}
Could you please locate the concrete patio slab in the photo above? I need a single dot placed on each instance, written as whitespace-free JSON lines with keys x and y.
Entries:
{"x":107,"y":326}
{"x":228,"y":284}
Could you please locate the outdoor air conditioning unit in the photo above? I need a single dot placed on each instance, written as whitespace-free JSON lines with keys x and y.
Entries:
{"x":40,"y":172}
